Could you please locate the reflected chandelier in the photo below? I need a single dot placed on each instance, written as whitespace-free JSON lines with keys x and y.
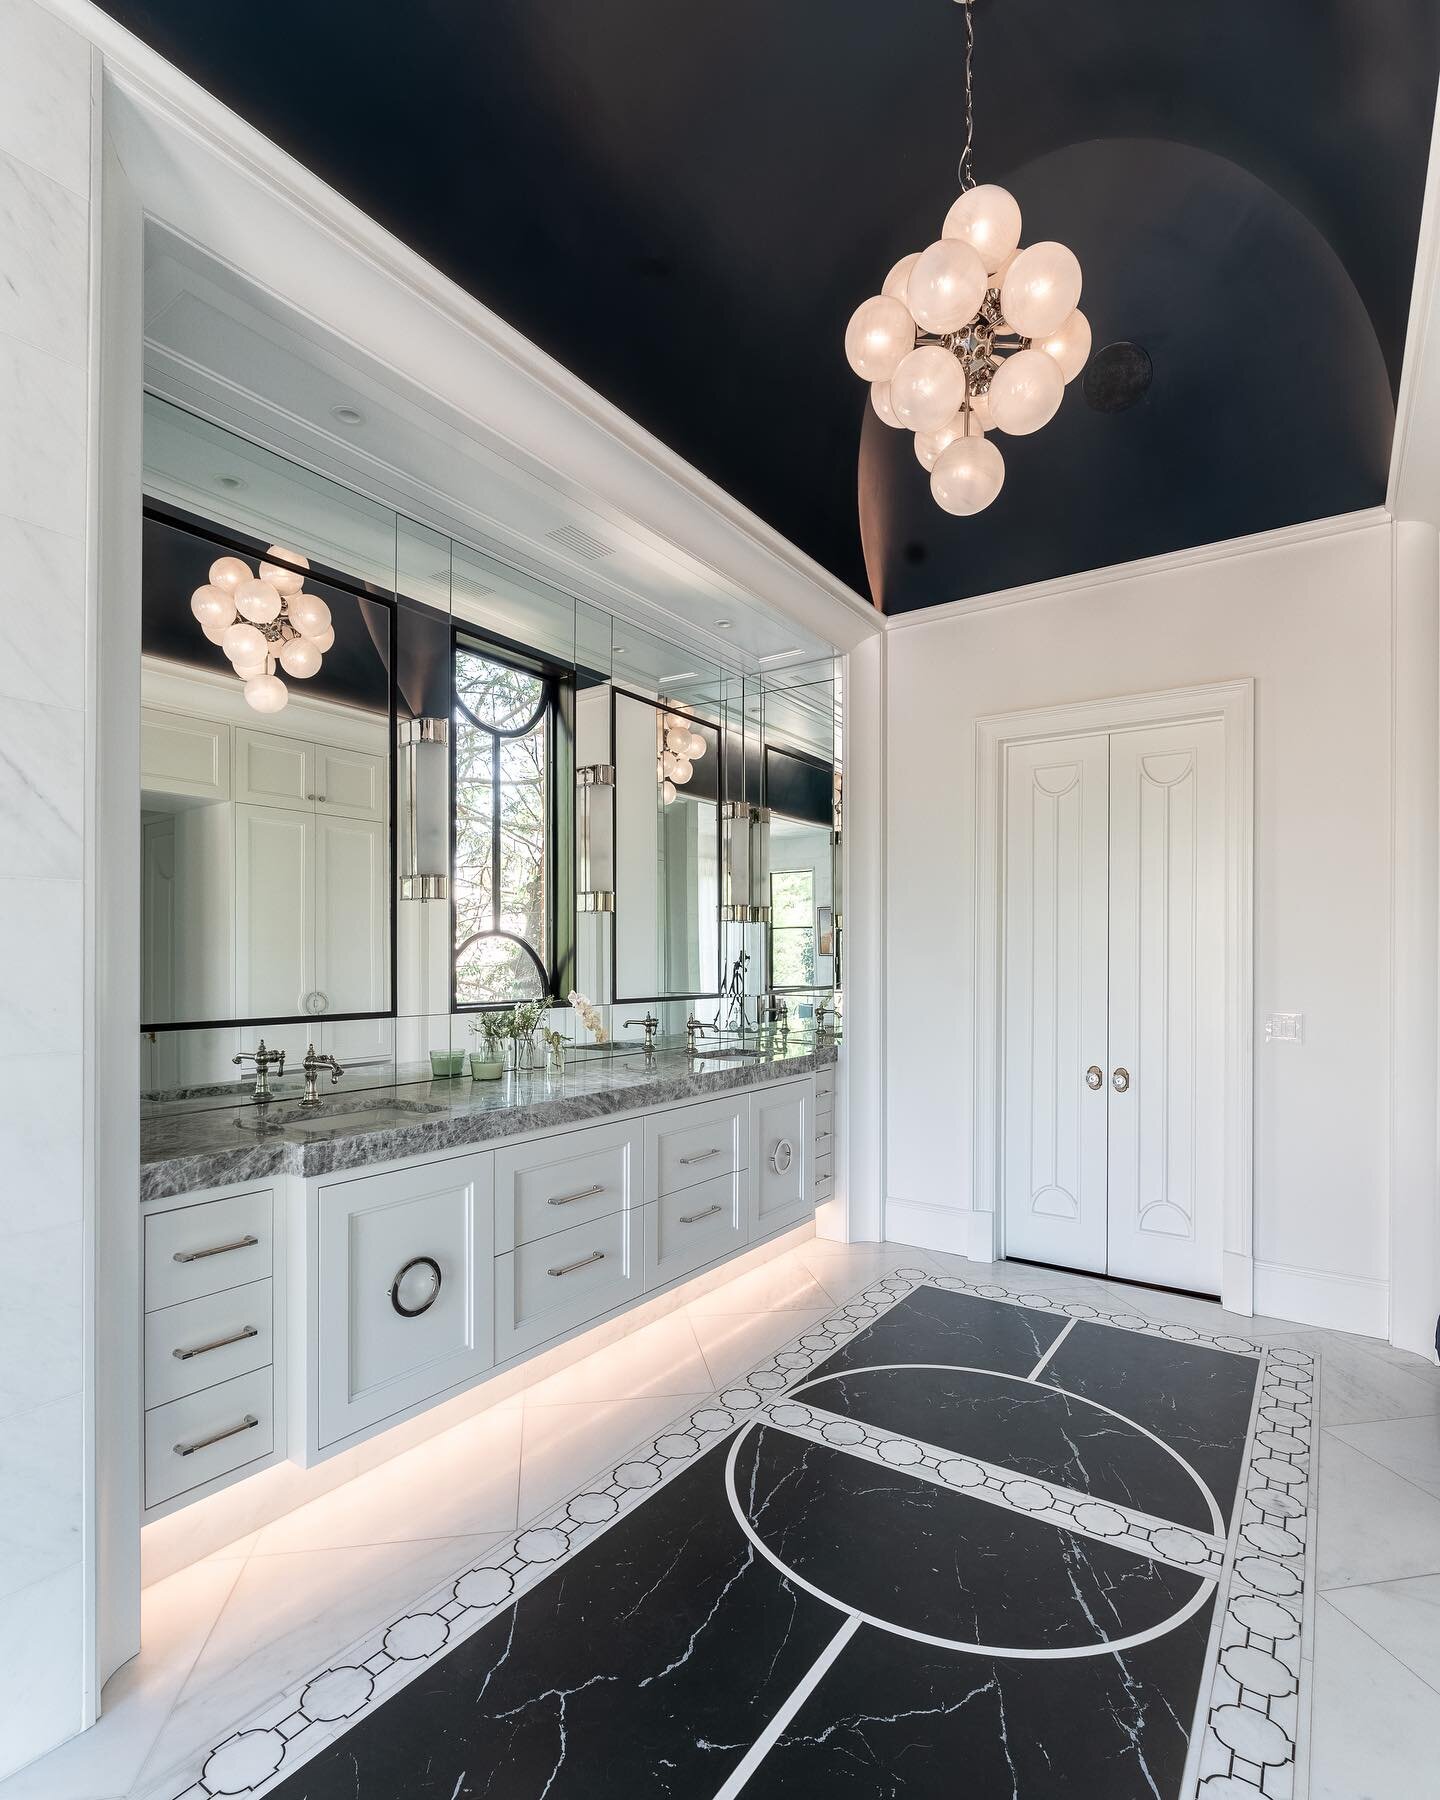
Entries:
{"x":971,"y":335}
{"x":265,"y":619}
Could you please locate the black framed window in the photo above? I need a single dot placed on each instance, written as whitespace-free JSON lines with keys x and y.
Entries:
{"x":506,"y":736}
{"x":793,"y":928}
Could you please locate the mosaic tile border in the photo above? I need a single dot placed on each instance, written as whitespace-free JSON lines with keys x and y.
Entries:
{"x":1250,"y":1742}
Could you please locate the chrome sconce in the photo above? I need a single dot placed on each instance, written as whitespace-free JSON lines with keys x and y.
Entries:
{"x":424,"y":787}
{"x":746,"y":849}
{"x":595,"y":838}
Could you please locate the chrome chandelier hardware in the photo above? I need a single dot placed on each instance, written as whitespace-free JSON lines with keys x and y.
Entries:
{"x":972,"y":335}
{"x":261,"y":621}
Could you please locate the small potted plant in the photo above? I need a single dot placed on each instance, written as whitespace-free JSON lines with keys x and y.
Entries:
{"x":488,"y":1064}
{"x":554,"y":1053}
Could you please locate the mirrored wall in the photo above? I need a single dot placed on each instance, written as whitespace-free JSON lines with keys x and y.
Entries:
{"x":421,"y":784}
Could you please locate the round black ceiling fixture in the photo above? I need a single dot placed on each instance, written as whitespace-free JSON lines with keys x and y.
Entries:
{"x":1117,"y":378}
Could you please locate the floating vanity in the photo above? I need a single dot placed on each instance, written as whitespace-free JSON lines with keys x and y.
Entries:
{"x":316,"y":1282}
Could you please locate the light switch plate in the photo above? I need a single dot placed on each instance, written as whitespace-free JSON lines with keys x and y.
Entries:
{"x":1285,"y":1028}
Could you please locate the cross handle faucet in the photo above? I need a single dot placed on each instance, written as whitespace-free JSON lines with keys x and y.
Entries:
{"x":264,"y":1060}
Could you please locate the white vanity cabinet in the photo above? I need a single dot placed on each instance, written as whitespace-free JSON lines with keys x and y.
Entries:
{"x":402,"y":1301}
{"x":276,"y":770}
{"x":781,"y":1132}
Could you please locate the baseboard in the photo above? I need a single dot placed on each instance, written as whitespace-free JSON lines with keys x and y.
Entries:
{"x":1338,"y":1302}
{"x":953,"y":1229}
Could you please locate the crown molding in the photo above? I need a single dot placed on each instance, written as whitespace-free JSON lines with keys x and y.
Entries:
{"x":1258,"y":544}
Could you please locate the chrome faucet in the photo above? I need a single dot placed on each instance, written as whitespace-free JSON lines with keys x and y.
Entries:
{"x":264,"y":1060}
{"x":312,"y":1066}
{"x":693,"y":1029}
{"x":650,"y":1025}
{"x":823,"y":1007}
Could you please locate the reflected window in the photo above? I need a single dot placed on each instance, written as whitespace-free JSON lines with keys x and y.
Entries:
{"x":792,"y":928}
{"x":504,"y":735}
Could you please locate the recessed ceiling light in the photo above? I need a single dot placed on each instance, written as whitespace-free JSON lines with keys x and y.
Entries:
{"x":347,"y":415}
{"x":229,"y":482}
{"x":723,"y":624}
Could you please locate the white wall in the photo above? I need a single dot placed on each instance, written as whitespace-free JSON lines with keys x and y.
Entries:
{"x":45,"y":344}
{"x":1311,"y":622}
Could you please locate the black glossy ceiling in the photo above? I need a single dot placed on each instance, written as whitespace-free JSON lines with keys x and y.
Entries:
{"x":683,"y":203}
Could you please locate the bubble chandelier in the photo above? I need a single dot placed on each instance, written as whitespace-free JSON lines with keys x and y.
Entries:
{"x":972,"y":335}
{"x":263,"y":620}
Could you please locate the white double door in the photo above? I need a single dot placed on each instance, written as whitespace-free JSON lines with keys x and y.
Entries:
{"x":1114,"y":971}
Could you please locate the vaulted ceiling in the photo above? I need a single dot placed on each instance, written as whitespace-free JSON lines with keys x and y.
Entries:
{"x":683,"y":204}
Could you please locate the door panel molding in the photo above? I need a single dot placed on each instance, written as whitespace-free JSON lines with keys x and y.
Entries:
{"x":1232,"y":703}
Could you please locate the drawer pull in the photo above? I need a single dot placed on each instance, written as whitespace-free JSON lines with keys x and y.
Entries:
{"x":694,"y":1218}
{"x":782,"y":1156}
{"x":248,"y":1423}
{"x":238,"y":1337}
{"x":416,"y":1262}
{"x":584,"y":1262}
{"x":245,"y":1243}
{"x":584,"y":1194}
{"x":702,"y":1156}
{"x":822,"y":1137}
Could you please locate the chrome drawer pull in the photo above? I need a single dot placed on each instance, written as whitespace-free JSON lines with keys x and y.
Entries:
{"x":693,"y":1218}
{"x":584,"y":1194}
{"x":429,"y":1264}
{"x":704,"y":1156}
{"x":248,"y":1331}
{"x":188,"y":1256}
{"x":248,"y":1423}
{"x":570,"y":1268}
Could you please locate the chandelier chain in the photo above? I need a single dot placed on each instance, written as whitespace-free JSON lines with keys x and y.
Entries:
{"x":967,"y":155}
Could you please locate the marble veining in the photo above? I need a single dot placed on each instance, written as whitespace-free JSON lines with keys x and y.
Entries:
{"x":186,"y":1152}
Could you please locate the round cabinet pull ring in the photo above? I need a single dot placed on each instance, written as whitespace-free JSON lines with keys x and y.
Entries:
{"x":1120,"y":1080}
{"x":1094,"y":1077}
{"x":416,"y":1262}
{"x":788,"y":1150}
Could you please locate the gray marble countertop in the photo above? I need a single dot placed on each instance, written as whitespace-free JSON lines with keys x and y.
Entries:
{"x":182,"y":1153}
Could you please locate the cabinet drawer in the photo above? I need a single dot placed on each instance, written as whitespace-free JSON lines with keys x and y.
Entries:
{"x":824,"y":1135}
{"x":564,"y":1280}
{"x":781,"y":1129}
{"x":694,"y":1143}
{"x":824,"y":1085}
{"x":201,"y":1342}
{"x":201,"y":1249}
{"x":403,"y":1289}
{"x":824,"y":1168}
{"x":556,"y":1183}
{"x":694,"y":1226}
{"x":194,"y":1439}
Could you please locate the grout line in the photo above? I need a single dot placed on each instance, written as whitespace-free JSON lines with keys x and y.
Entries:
{"x":183,"y":1685}
{"x":1330,"y":1429}
{"x":1383,"y":1648}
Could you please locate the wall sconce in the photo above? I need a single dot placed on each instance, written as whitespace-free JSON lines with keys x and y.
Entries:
{"x":746,"y":848}
{"x":424,"y":786}
{"x":595,"y":838}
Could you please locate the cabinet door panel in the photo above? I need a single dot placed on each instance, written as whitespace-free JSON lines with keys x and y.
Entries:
{"x":781,"y":1157}
{"x":383,"y":1347}
{"x":274,"y":904}
{"x":184,"y":755}
{"x":350,"y":782}
{"x":352,"y":922}
{"x":274,"y":771}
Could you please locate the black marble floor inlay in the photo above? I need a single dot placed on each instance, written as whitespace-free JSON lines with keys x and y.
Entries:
{"x":793,"y":1617}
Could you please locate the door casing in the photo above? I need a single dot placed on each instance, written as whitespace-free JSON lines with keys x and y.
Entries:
{"x":1232,"y":703}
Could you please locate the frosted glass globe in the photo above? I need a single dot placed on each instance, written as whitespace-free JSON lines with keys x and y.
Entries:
{"x":1041,"y":290}
{"x":1070,"y":345}
{"x":668,"y":762}
{"x":980,"y":415}
{"x":216,"y":633}
{"x":308,"y":614}
{"x":667,"y":791}
{"x":213,"y":606}
{"x":896,"y":282}
{"x":300,"y":657}
{"x":284,"y":581}
{"x":677,"y":738}
{"x":266,"y":693}
{"x":697,"y":747}
{"x":682,"y":771}
{"x":930,"y":444}
{"x":880,"y":400}
{"x":928,"y":388}
{"x":243,"y":643}
{"x":879,"y":334}
{"x":323,"y":640}
{"x":947,"y":285}
{"x":1025,"y":392}
{"x":229,"y":572}
{"x":245,"y":668}
{"x":987,"y":218}
{"x":257,"y":601}
{"x":968,"y":476}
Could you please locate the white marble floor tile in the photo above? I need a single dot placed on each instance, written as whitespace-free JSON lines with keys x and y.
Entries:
{"x":177,"y":1615}
{"x":1373,"y":1524}
{"x":659,"y":1358}
{"x":465,"y":1481}
{"x":735,"y":1342}
{"x":784,"y":1285}
{"x":1357,"y":1386}
{"x":1375,"y":1725}
{"x":843,"y":1269}
{"x":1403,"y":1617}
{"x":565,"y":1446}
{"x":287,"y":1615}
{"x":1411,"y":1447}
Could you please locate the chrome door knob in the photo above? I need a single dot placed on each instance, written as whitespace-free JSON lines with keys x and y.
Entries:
{"x":1120,"y":1080}
{"x":1094,"y":1077}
